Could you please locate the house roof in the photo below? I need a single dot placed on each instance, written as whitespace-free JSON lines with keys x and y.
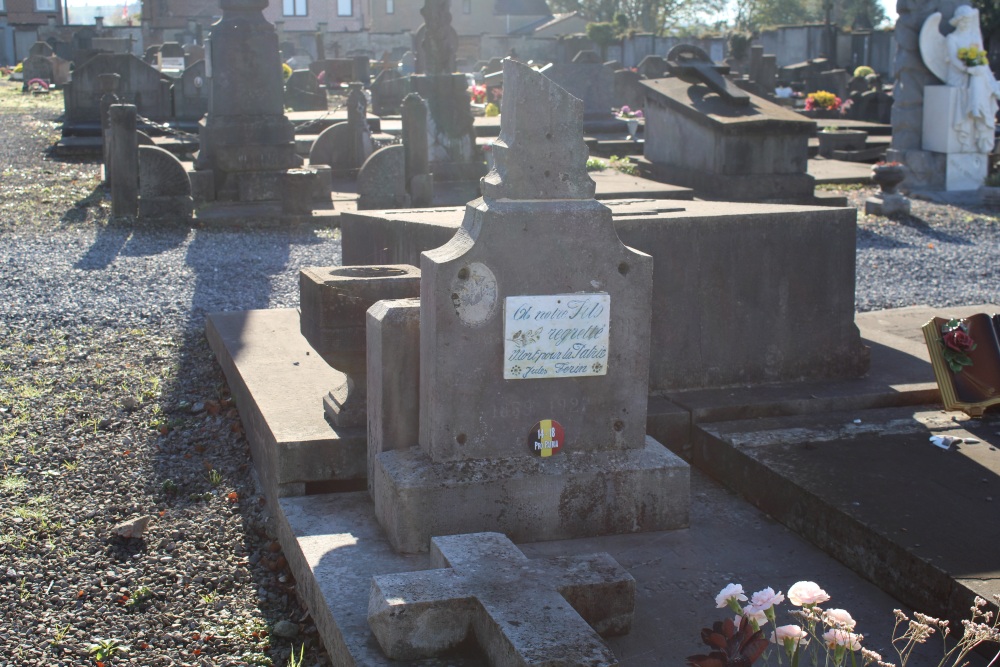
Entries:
{"x":544,"y":22}
{"x":522,"y":8}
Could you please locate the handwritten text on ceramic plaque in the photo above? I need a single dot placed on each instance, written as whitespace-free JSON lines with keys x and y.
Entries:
{"x":556,"y":335}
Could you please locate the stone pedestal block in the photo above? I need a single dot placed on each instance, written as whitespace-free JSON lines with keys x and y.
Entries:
{"x":202,"y":186}
{"x":941,"y":115}
{"x":579,"y":494}
{"x":393,"y":335}
{"x":298,"y":189}
{"x":965,"y":171}
{"x":887,"y":205}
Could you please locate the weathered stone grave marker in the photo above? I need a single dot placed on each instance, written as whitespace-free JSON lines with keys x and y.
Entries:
{"x":701,"y":131}
{"x":485,"y":586}
{"x":534,"y":317}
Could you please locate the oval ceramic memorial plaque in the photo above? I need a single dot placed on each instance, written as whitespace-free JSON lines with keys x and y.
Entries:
{"x":556,"y":335}
{"x":474,"y":293}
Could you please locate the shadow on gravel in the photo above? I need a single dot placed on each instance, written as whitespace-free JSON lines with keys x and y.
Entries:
{"x":870,"y":239}
{"x":203,"y":467}
{"x":118,"y":237}
{"x":920,"y":225}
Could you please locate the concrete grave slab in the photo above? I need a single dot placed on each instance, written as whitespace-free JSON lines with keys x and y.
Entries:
{"x":522,"y":612}
{"x":335,"y":548}
{"x":869,"y":488}
{"x":272,"y":375}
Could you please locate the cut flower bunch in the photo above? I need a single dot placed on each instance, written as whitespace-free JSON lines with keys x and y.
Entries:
{"x":827,"y":636}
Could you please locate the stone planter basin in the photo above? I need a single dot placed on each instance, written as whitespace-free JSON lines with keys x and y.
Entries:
{"x":841,"y":140}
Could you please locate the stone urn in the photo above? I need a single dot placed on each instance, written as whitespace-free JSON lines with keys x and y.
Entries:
{"x":840,"y":140}
{"x":888,"y":176}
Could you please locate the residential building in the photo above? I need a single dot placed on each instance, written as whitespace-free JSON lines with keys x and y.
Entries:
{"x":468,"y":17}
{"x":31,"y":12}
{"x":322,"y":15}
{"x":19,"y":21}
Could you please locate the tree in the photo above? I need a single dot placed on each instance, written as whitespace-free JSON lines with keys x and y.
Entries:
{"x":602,"y":35}
{"x":756,"y":14}
{"x":647,"y":15}
{"x":989,"y":20}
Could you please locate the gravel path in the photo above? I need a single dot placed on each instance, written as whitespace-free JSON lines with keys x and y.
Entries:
{"x":111,"y":409}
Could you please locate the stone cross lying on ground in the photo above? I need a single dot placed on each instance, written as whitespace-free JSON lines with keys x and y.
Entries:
{"x":522,"y":612}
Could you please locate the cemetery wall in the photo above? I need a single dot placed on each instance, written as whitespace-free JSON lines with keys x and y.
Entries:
{"x":796,"y":44}
{"x":6,"y":44}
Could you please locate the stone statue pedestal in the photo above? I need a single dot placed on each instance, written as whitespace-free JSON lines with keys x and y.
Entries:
{"x":964,"y":166}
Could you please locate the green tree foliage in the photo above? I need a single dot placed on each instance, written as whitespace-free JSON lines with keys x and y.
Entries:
{"x":989,"y":19}
{"x":602,"y":35}
{"x":757,"y":14}
{"x":645,"y":15}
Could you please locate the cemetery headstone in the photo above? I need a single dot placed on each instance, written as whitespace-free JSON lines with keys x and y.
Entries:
{"x":527,"y":612}
{"x":191,"y":93}
{"x":451,"y":136}
{"x":141,"y":85}
{"x":170,"y":58}
{"x":419,"y":180}
{"x":43,"y":49}
{"x":193,"y":53}
{"x":302,"y":92}
{"x":164,"y":186}
{"x":588,"y":79}
{"x":109,"y":95}
{"x":628,"y":92}
{"x":388,"y":89}
{"x":382,"y":180}
{"x":123,"y":160}
{"x":653,"y":67}
{"x":246,"y":142}
{"x":559,"y":347}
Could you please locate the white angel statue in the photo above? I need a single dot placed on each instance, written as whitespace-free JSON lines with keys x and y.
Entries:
{"x":959,"y":61}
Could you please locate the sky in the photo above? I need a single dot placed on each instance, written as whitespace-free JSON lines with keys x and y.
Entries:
{"x":890,"y":5}
{"x":890,"y":9}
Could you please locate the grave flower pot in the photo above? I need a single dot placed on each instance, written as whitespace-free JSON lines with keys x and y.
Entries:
{"x":888,"y":177}
{"x":841,"y":140}
{"x":633,"y":128}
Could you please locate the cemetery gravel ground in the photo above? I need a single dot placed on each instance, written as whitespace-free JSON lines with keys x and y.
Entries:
{"x":112,"y":408}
